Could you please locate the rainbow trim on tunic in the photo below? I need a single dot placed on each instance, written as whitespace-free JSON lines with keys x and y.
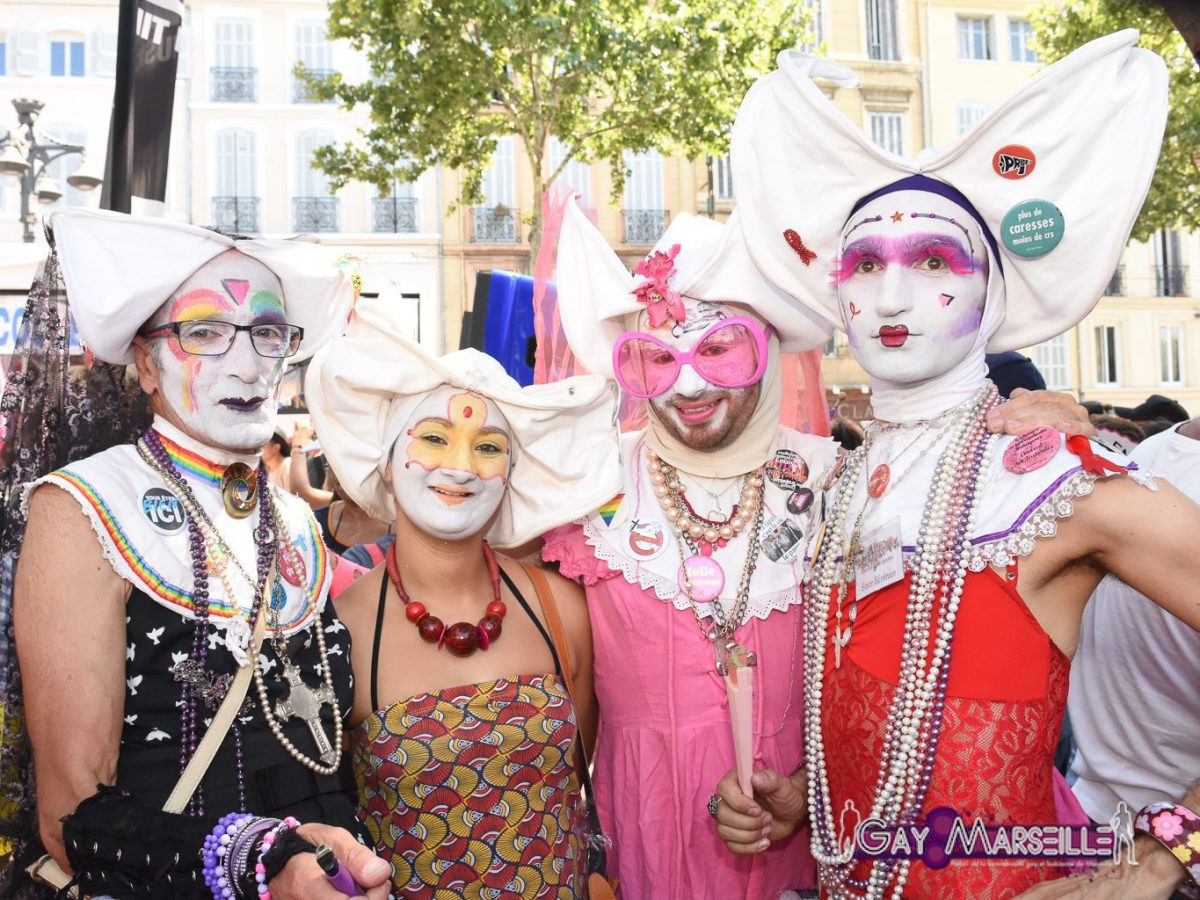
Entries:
{"x":145,"y":573}
{"x":192,"y":464}
{"x":315,"y":556}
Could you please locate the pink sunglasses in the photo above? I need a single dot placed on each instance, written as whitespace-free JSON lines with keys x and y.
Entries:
{"x":732,"y":353}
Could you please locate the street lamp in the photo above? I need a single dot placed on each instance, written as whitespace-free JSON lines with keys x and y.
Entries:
{"x":26,"y":154}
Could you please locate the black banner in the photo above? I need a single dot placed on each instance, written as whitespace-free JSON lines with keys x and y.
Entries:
{"x":139,"y":137}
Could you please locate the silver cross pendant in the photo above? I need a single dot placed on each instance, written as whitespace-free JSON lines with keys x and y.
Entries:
{"x":305,"y":703}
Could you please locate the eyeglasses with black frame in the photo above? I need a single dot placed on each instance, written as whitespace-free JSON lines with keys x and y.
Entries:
{"x":212,"y":337}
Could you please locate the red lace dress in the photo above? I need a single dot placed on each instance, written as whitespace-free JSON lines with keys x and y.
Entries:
{"x":1004,"y":706}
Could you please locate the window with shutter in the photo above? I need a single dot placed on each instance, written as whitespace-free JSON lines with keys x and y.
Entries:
{"x":26,"y":52}
{"x":313,"y":207}
{"x":645,"y":213}
{"x":1052,"y":358}
{"x":882,"y":41}
{"x":104,"y":52}
{"x":576,"y":176}
{"x":887,"y":130}
{"x":966,"y":115}
{"x":974,"y":38}
{"x":59,"y":169}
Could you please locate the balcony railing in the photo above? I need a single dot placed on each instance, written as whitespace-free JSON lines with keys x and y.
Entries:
{"x":235,"y":215}
{"x":300,"y":90}
{"x":644,"y":226}
{"x":493,"y":225}
{"x":1116,"y":284}
{"x":1170,"y":281}
{"x":314,"y":214}
{"x":394,"y":214}
{"x":233,"y":85}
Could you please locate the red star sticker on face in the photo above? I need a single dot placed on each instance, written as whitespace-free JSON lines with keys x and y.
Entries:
{"x":897,"y":216}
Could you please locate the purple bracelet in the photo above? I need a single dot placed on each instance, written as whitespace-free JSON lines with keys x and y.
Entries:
{"x":1178,"y":829}
{"x":241,"y":849}
{"x":216,"y":846}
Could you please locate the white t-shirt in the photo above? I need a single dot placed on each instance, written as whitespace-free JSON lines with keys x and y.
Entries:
{"x":1135,"y":680}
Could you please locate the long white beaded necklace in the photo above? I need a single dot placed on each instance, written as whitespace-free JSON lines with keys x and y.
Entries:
{"x":301,"y":698}
{"x":910,"y":738}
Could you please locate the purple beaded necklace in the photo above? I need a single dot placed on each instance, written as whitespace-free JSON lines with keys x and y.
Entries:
{"x":200,"y":686}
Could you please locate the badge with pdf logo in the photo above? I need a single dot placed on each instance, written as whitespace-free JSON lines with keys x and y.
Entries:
{"x":163,"y":510}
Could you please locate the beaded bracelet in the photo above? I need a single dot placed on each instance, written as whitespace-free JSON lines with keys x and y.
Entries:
{"x":1178,"y":829}
{"x":216,"y":847}
{"x":241,"y":849}
{"x":260,"y":870}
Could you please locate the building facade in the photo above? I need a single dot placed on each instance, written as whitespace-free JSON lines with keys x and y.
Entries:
{"x":245,"y":129}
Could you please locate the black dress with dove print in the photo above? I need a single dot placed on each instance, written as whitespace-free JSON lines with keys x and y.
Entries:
{"x":157,"y":640}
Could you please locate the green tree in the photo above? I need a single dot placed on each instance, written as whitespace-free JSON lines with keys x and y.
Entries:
{"x":449,"y":77}
{"x":1061,"y":27}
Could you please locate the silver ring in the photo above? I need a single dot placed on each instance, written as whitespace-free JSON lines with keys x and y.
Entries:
{"x":713,"y":802}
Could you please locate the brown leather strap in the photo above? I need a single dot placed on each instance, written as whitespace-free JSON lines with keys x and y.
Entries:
{"x":550,"y":610}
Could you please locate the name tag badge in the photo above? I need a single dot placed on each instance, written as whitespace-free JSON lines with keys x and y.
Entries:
{"x":880,"y":559}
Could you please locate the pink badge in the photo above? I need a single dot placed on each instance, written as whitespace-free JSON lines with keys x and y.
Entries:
{"x":704,"y":575}
{"x":291,"y":567}
{"x":1032,"y":451}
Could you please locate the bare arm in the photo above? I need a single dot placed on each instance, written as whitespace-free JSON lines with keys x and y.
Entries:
{"x":1148,"y":540}
{"x":299,"y":484}
{"x":69,"y":620}
{"x":572,"y":607}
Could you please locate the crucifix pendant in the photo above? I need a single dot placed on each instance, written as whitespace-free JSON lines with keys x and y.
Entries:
{"x":305,"y":703}
{"x":731,"y":655}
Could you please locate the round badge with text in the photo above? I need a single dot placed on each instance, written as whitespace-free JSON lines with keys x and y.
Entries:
{"x":1032,"y":450}
{"x":1032,"y":228}
{"x":703,"y":577}
{"x":163,"y":510}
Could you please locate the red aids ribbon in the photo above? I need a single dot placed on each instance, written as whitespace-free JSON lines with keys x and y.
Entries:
{"x":1097,"y":465}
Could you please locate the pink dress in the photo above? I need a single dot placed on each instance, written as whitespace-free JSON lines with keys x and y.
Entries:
{"x":665,"y":738}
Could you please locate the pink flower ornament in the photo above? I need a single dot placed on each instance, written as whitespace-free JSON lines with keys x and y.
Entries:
{"x":1167,"y":825}
{"x":661,"y":302}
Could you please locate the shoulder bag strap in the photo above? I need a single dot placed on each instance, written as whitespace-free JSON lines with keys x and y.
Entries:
{"x":553,"y":621}
{"x":213,"y":737}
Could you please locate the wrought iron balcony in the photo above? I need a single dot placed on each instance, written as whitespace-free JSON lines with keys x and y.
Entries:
{"x":1116,"y":285}
{"x":314,"y":214}
{"x":493,"y":225}
{"x":234,"y":85}
{"x":644,"y":226}
{"x":1170,"y":281}
{"x":235,"y":215}
{"x":394,"y":214}
{"x":300,"y":90}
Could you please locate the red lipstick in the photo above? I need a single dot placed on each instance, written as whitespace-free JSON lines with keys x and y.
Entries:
{"x":893,"y":335}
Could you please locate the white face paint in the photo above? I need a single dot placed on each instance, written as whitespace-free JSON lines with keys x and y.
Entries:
{"x":701,"y":415}
{"x":450,"y":465}
{"x":226,"y":401}
{"x":911,"y":289}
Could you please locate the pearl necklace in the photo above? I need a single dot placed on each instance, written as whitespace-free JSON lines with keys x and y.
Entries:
{"x":914,"y":723}
{"x":709,"y":535}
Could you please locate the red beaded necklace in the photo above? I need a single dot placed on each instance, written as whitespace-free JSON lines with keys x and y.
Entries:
{"x":462,"y":638}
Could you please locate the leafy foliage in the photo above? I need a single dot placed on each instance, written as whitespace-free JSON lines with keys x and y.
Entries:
{"x":449,"y":77}
{"x":1060,"y":27}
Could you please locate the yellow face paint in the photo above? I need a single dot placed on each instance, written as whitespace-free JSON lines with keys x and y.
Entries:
{"x":462,"y":441}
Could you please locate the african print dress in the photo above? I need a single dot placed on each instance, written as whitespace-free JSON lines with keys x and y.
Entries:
{"x":471,"y":791}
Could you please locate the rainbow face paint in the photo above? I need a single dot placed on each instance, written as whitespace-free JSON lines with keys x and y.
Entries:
{"x":450,"y":466}
{"x":911,"y":287}
{"x":227,"y":401}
